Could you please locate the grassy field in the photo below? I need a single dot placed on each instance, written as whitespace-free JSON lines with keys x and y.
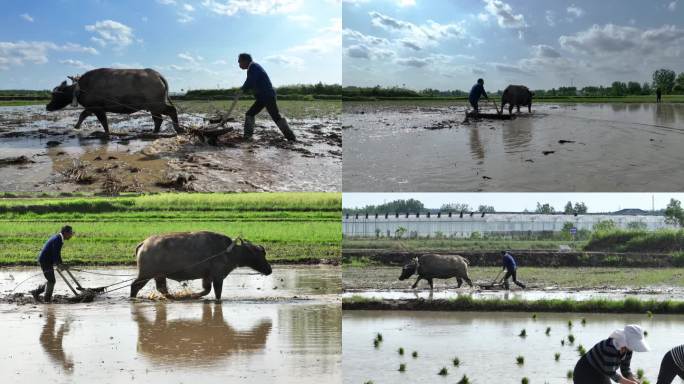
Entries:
{"x":618,"y":240}
{"x":293,"y":227}
{"x":421,"y":245}
{"x":467,"y":303}
{"x":376,"y":277}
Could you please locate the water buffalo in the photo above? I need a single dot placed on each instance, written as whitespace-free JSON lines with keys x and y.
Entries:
{"x":515,"y":96}
{"x":432,"y":266}
{"x":126,"y":91}
{"x":195,"y":255}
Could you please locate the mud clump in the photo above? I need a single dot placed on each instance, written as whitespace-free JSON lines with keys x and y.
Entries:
{"x":18,"y":160}
{"x":181,"y":182}
{"x":78,"y":173}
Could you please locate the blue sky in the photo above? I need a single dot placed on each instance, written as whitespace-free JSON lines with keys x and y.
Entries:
{"x":193,"y":43}
{"x":448,"y":44}
{"x":517,"y":202}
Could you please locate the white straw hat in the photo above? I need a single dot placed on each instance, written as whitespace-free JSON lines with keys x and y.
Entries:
{"x":634,"y":337}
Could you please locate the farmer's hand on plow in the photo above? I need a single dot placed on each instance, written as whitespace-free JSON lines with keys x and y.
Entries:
{"x":224,"y":118}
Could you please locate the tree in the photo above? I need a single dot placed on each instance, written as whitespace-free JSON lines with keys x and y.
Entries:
{"x":545,"y":209}
{"x":618,"y":88}
{"x":664,"y":79}
{"x":568,"y":208}
{"x":674,"y":213}
{"x":633,"y":88}
{"x":679,"y":83}
{"x":410,"y":205}
{"x":580,"y":208}
{"x":486,"y":208}
{"x":400,"y":232}
{"x":646,"y":89}
{"x":456,"y":207}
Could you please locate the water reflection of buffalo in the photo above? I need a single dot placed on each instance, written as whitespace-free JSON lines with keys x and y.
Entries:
{"x":188,"y":341}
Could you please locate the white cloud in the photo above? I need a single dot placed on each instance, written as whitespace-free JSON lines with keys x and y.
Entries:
{"x":483,"y":17}
{"x":610,"y":39}
{"x":417,"y":62}
{"x":575,"y":11}
{"x":220,"y":62}
{"x":543,"y":50}
{"x":550,"y":17}
{"x":34,"y":52}
{"x":504,"y":14}
{"x":184,"y":18}
{"x":290,"y":61}
{"x":301,"y":19}
{"x":255,"y":7}
{"x":26,"y":17}
{"x":127,"y":65}
{"x":510,"y":68}
{"x":190,"y":58}
{"x":188,"y":7}
{"x":167,"y":2}
{"x":327,"y":40}
{"x":110,"y":32}
{"x":77,"y":64}
{"x":672,"y":6}
{"x":418,"y":36}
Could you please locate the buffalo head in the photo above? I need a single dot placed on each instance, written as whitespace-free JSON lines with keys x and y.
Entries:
{"x":409,"y":269}
{"x":62,"y":95}
{"x":252,"y":256}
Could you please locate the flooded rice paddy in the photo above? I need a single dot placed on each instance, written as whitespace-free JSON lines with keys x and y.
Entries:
{"x":487,"y":345}
{"x":279,"y":328}
{"x":42,"y":152}
{"x":404,"y":146}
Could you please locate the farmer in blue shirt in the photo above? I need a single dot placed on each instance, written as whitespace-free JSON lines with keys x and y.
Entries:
{"x":511,"y":270}
{"x":49,"y":256}
{"x":264,"y":95}
{"x":475,"y":93}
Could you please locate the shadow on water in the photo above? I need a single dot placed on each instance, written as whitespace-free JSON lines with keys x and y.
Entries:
{"x":209,"y":338}
{"x":52,"y":340}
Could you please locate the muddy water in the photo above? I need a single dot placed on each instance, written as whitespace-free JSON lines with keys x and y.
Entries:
{"x":282,"y":328}
{"x":487,"y":345}
{"x":134,"y":159}
{"x":286,"y":282}
{"x":403,"y":147}
{"x":190,"y":342}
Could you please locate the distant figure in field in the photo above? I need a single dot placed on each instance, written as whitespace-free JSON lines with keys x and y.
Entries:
{"x":659,"y":94}
{"x":475,"y":93}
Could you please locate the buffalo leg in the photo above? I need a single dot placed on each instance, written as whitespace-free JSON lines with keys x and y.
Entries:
{"x":157,"y":122}
{"x":416,"y":283}
{"x":161,"y":286}
{"x":430,"y":282}
{"x":510,"y":109}
{"x":137,"y":285}
{"x":82,"y":117}
{"x":173,"y":114}
{"x":102,"y":117}
{"x":206,"y":288}
{"x":529,"y":108}
{"x":218,"y":287}
{"x":518,"y":108}
{"x":459,"y":281}
{"x":467,"y":280}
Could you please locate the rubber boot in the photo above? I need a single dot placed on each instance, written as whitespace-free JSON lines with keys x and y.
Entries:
{"x":506,"y":285}
{"x":49,"y":287}
{"x":249,"y":127}
{"x":36,"y":292}
{"x":285,"y":129}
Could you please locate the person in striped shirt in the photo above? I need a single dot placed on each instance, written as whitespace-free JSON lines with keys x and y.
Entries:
{"x":672,"y":365}
{"x":601,"y":363}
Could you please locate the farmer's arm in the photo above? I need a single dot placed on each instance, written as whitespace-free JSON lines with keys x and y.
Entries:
{"x":250,"y":81}
{"x":484,"y":93}
{"x":625,"y":367}
{"x":57,"y":252}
